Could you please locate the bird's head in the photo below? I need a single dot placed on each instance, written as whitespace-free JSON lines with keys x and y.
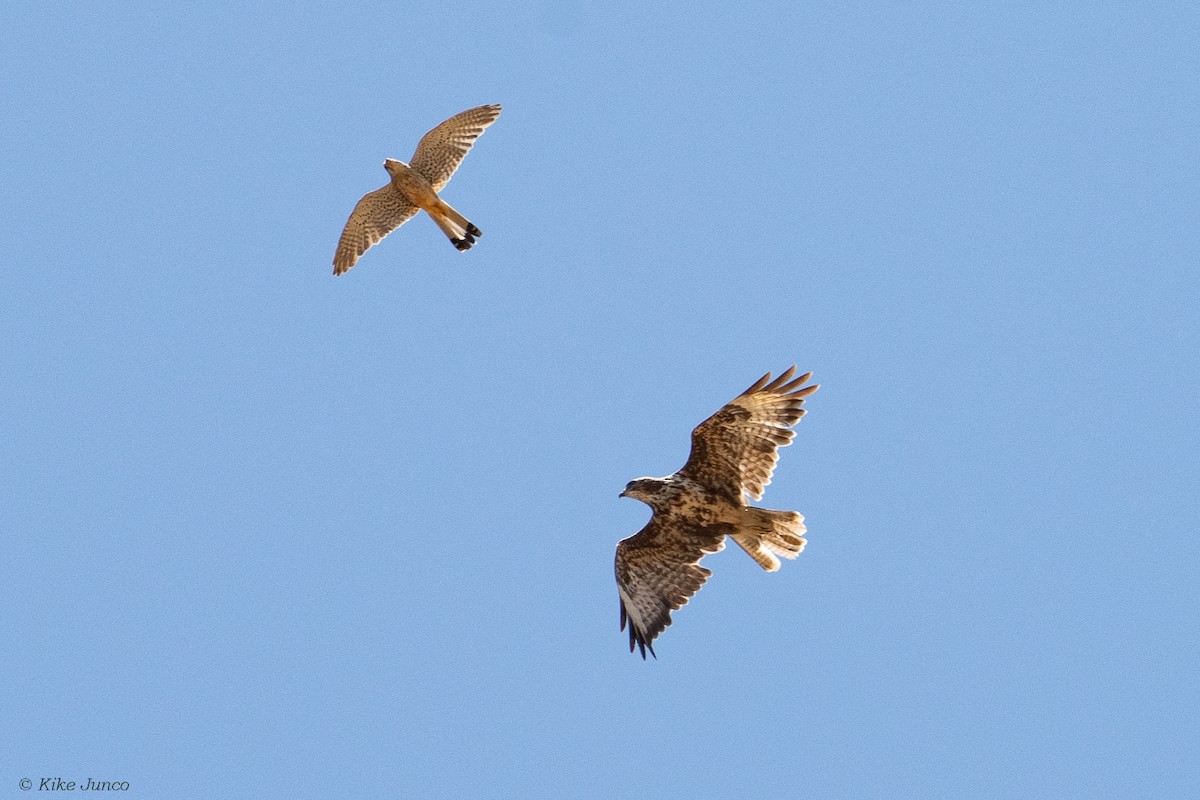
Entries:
{"x":645,"y":489}
{"x":393,"y":166}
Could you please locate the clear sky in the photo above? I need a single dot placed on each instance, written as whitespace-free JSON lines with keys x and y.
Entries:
{"x":268,"y":533}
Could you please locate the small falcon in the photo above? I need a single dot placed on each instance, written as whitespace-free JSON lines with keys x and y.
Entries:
{"x":415,"y":186}
{"x":734,"y":453}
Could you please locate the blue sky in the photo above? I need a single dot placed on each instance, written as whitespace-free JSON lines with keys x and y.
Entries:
{"x":274,"y":534}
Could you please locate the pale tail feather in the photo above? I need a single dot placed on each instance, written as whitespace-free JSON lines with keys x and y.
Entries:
{"x":458,"y":229}
{"x":770,"y":534}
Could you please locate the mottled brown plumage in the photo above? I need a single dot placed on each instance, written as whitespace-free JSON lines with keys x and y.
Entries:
{"x":734,"y":453}
{"x":736,"y":449}
{"x":414,"y":187}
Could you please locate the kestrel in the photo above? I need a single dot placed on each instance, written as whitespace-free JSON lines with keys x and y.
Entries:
{"x":415,"y":186}
{"x":734,"y":453}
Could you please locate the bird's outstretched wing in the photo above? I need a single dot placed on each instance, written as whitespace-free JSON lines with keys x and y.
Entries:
{"x":377,"y":214}
{"x":658,"y":569}
{"x":442,"y":149}
{"x":735,"y":450}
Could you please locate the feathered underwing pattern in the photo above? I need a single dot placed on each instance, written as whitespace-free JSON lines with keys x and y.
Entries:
{"x":734,"y":453}
{"x":414,"y":187}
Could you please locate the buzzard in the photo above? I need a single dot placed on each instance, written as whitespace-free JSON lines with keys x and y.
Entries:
{"x":733,"y":455}
{"x":415,"y":186}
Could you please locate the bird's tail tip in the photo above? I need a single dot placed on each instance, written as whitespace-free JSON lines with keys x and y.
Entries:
{"x":465,"y":243}
{"x":772,"y":534}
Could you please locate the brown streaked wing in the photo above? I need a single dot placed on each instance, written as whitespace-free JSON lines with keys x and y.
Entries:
{"x":376,"y":215}
{"x":440,"y":151}
{"x":658,"y":569}
{"x":735,"y":450}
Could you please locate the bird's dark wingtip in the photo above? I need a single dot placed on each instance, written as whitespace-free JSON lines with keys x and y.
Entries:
{"x":636,"y":638}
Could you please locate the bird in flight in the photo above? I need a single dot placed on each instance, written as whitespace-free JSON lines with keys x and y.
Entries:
{"x":415,"y":186}
{"x":734,"y":453}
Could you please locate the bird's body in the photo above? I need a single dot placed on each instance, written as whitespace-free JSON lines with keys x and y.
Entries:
{"x":695,"y":509}
{"x":414,"y":187}
{"x":683,"y":501}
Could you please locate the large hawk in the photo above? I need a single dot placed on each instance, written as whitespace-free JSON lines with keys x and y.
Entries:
{"x":733,"y":455}
{"x":415,"y":186}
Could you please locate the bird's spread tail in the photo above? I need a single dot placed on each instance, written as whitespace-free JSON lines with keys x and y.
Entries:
{"x":769,"y":534}
{"x":458,"y":229}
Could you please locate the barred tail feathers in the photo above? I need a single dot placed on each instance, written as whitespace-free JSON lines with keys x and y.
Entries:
{"x":769,"y":534}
